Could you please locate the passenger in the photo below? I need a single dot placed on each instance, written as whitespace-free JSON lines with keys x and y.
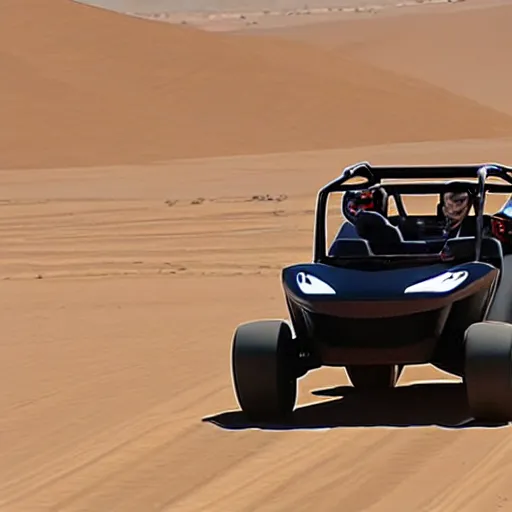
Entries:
{"x":455,"y":208}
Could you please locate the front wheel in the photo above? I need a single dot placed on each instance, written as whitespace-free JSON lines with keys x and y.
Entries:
{"x":372,"y":377}
{"x":264,"y":365}
{"x":488,"y":370}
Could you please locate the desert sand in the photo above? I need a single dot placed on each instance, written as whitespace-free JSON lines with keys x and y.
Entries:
{"x":155,"y":178}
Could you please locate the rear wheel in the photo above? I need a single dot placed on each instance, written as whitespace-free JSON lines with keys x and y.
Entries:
{"x":367,"y":377}
{"x":488,"y":370}
{"x":264,"y":365}
{"x":501,"y":307}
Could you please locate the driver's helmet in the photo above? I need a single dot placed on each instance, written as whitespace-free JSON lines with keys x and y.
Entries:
{"x":372,"y":199}
{"x":455,"y":208}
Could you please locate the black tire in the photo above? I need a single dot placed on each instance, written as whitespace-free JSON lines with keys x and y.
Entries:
{"x":263,"y":365}
{"x":488,"y":370}
{"x":500,"y":309}
{"x":373,"y":377}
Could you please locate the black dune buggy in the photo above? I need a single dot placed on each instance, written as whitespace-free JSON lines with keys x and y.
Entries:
{"x":394,"y":290}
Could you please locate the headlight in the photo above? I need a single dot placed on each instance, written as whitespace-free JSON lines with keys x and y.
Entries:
{"x":311,"y":285}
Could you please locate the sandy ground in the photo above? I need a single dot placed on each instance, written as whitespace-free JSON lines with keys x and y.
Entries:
{"x":154,"y":180}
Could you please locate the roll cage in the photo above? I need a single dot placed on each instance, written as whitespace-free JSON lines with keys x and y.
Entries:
{"x":450,"y":174}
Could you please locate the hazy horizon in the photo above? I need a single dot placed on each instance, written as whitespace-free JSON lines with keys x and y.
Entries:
{"x":155,"y":6}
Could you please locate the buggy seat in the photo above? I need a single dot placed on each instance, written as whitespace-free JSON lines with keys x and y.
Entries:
{"x":384,"y":238}
{"x":374,"y":234}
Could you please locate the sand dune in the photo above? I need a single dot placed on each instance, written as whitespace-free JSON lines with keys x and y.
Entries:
{"x":462,"y":48}
{"x":121,"y":286}
{"x":84,"y":86}
{"x":475,"y":41}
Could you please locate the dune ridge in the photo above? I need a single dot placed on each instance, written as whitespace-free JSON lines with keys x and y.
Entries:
{"x":86,"y":86}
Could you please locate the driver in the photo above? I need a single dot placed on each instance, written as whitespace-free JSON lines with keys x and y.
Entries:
{"x":455,"y":209}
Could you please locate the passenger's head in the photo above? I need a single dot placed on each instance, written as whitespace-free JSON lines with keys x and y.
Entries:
{"x":455,"y":207}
